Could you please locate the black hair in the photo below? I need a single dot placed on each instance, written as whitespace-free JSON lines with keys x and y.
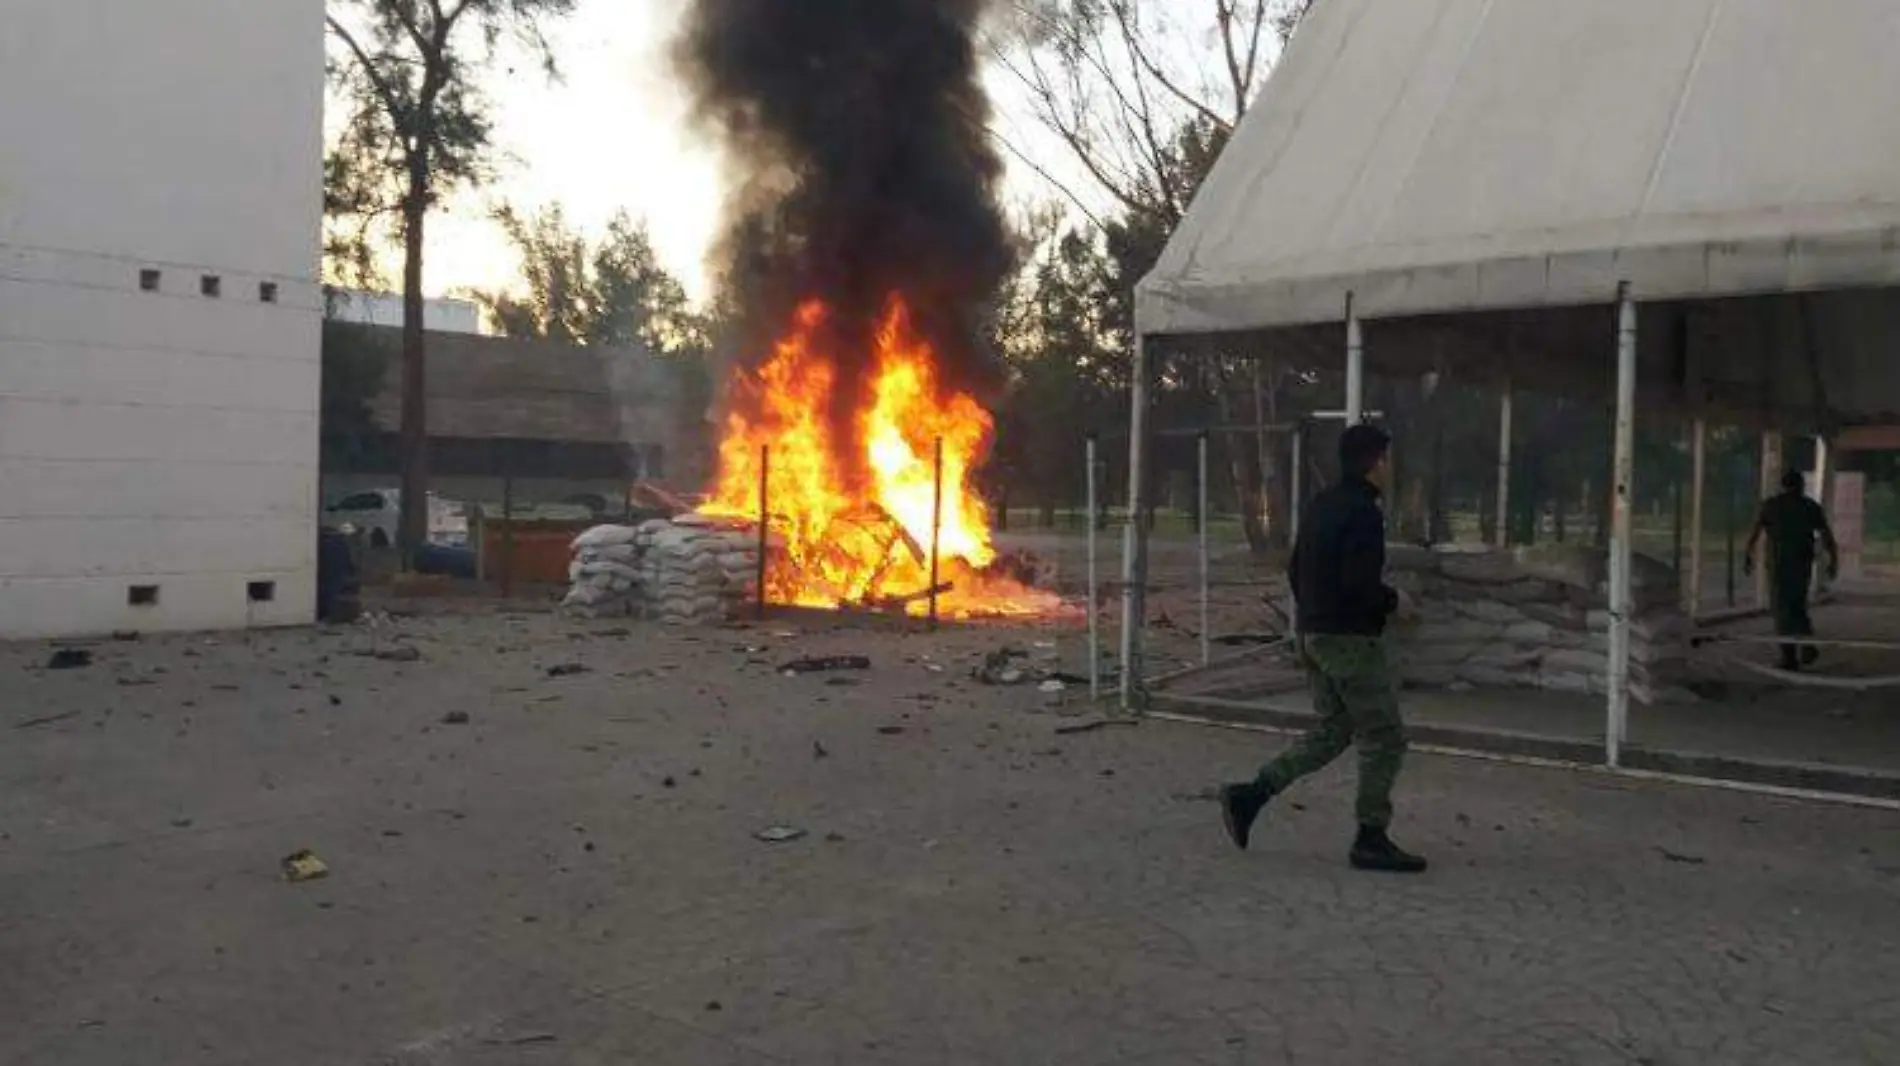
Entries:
{"x":1360,"y":449}
{"x":1793,"y":481}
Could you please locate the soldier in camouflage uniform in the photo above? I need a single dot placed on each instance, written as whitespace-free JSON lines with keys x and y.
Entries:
{"x":1343,"y":603}
{"x":1792,"y":523}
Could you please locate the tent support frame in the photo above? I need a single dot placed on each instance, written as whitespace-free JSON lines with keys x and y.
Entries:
{"x":1616,"y":727}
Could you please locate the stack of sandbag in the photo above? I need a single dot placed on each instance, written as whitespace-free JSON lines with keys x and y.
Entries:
{"x":604,"y":578}
{"x":695,"y":569}
{"x":1535,"y":618}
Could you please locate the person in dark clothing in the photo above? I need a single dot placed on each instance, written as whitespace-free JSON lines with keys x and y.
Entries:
{"x":1792,"y":523}
{"x":1341,"y":607}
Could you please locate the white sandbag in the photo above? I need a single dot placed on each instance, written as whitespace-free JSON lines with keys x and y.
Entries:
{"x":1490,"y":612}
{"x":1493,"y":677}
{"x":1464,"y":631}
{"x":1572,"y":565}
{"x":604,"y":536}
{"x":1506,"y":658}
{"x":581,"y":571}
{"x":1529,"y":633}
{"x":1557,"y":615}
{"x":611,"y":553}
{"x":1438,"y":654}
{"x":585,"y":595}
{"x":1570,"y":660}
{"x":1563,"y":681}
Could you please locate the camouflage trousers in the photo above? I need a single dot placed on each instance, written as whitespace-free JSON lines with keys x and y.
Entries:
{"x":1356,"y":695}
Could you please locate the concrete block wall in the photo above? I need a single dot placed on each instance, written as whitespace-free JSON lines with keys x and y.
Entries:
{"x":160,"y":372}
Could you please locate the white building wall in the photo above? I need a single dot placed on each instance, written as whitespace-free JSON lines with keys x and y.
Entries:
{"x":163,"y":437}
{"x":439,"y":315}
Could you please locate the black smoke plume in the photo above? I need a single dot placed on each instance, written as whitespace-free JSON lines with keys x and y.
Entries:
{"x":855,"y":133}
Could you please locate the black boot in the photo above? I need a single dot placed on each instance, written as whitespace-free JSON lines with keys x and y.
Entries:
{"x":1809,"y":654}
{"x":1375,"y":851}
{"x":1790,"y":660}
{"x":1239,"y":806}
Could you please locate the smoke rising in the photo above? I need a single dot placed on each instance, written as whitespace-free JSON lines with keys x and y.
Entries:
{"x":855,"y":137}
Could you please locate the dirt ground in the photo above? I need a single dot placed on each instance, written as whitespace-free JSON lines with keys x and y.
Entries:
{"x":573,"y":873}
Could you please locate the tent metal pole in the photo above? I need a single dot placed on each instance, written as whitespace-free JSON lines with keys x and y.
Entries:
{"x":1617,"y":726}
{"x":1355,"y":367}
{"x":1207,"y":639}
{"x":1504,"y":469}
{"x":1698,"y":476}
{"x":1134,"y":538}
{"x":1095,"y":614}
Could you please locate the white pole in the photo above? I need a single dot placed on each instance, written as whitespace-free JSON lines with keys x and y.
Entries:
{"x":1207,"y":640}
{"x":1698,"y":474}
{"x":1095,"y":614}
{"x":1355,"y":367}
{"x":1134,"y":570}
{"x":1616,"y":728}
{"x":1504,"y":469}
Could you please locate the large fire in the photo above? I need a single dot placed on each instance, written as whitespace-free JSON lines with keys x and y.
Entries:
{"x":868,"y":544}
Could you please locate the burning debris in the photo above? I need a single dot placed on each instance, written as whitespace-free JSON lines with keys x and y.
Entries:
{"x":864,"y":248}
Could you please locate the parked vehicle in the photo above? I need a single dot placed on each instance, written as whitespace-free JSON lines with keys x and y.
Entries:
{"x":377,"y":513}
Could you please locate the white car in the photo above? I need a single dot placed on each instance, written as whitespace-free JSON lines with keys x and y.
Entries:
{"x":377,"y":513}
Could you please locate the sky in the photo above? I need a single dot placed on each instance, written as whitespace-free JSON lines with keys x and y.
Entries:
{"x":612,"y":134}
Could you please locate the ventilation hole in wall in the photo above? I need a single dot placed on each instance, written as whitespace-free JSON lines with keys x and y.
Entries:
{"x":211,"y":285}
{"x":261,"y":591}
{"x":267,"y":292}
{"x":149,"y":279}
{"x":142,"y":596}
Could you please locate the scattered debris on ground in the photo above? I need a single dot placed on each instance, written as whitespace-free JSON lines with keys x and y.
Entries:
{"x":455,"y":718}
{"x":780,"y":834}
{"x":49,"y":719}
{"x":400,"y":653}
{"x":1676,"y":856}
{"x":826,"y":664}
{"x":69,"y":659}
{"x":568,"y":669}
{"x":303,"y":865}
{"x":523,"y":1040}
{"x":1000,"y":667}
{"x":1094,"y":724}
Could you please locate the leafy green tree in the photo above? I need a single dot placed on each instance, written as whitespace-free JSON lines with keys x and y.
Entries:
{"x":416,"y":129}
{"x":1144,"y":97}
{"x":613,"y":292}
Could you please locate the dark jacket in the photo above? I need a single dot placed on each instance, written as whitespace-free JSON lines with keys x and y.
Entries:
{"x":1338,"y":566}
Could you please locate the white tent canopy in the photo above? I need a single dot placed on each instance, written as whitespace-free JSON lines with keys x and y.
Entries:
{"x":1434,"y":157}
{"x":1522,"y":189}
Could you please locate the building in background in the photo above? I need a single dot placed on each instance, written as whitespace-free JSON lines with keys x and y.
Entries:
{"x":160,"y":207}
{"x":441,"y":315}
{"x":535,"y":420}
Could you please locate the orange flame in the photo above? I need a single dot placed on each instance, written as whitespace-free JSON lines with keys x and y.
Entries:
{"x":846,"y":545}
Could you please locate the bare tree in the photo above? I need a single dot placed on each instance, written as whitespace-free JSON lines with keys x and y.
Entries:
{"x":418,"y":128}
{"x":1144,"y":97}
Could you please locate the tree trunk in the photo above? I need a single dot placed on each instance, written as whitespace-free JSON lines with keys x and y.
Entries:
{"x":1243,"y":465}
{"x":1274,"y":494}
{"x":413,"y":526}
